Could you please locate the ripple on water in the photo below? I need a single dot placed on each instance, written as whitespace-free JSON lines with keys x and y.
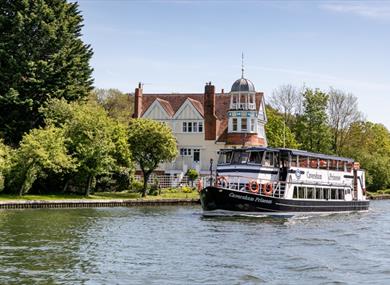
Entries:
{"x":177,"y":245}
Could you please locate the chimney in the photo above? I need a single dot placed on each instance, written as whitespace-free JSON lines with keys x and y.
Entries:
{"x":138,"y":101}
{"x":222,"y":91}
{"x":210,"y":119}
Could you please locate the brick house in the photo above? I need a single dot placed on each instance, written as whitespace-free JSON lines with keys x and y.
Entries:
{"x":205,"y":122}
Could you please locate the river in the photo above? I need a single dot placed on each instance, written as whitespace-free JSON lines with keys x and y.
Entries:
{"x":176,"y":245}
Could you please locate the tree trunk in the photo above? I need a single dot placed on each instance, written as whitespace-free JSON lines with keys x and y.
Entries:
{"x":146,"y":178}
{"x":89,"y":182}
{"x":66,"y":186}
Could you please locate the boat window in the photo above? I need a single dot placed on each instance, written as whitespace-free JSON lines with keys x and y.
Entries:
{"x":333,"y":165}
{"x":319,"y":193}
{"x":340,"y":166}
{"x":348,"y":191}
{"x":295,"y":193}
{"x":341,"y":194}
{"x":311,"y":193}
{"x":325,"y":193}
{"x":269,"y":159}
{"x":294,"y":161}
{"x":301,"y":192}
{"x":313,"y":162}
{"x":244,"y":157}
{"x":240,"y":157}
{"x":349,"y":166}
{"x":303,"y":161}
{"x":333,"y":194}
{"x":225,"y":157}
{"x":256,"y":157}
{"x":323,"y":164}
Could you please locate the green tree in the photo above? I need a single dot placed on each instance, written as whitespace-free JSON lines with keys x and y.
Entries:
{"x":369,"y":143}
{"x":118,"y":105}
{"x":192,"y":175}
{"x":97,"y":142}
{"x":42,"y":56}
{"x":5,"y":162}
{"x":312,"y":130}
{"x":41,"y":153}
{"x":151,"y":143}
{"x":277,"y":132}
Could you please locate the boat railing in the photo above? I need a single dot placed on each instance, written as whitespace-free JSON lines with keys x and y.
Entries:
{"x":265,"y":187}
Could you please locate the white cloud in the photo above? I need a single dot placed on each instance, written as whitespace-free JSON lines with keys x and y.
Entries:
{"x":368,"y":10}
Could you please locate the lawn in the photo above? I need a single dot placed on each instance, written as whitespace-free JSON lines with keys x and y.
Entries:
{"x":103,"y":195}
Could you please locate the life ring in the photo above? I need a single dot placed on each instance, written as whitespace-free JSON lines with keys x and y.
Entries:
{"x":254,"y":183}
{"x":222,"y":182}
{"x":200,"y":185}
{"x":268,"y":189}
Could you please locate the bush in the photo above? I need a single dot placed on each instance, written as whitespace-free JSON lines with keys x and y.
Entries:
{"x":136,"y":186}
{"x":192,"y":175}
{"x":186,"y":189}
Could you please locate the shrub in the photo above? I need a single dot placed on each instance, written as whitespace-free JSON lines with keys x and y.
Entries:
{"x":186,"y":189}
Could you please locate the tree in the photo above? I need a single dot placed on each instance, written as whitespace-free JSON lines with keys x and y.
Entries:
{"x":151,"y":143}
{"x":41,"y":153}
{"x":5,"y":158}
{"x":311,"y":129}
{"x":287,"y":100}
{"x":278,"y":134}
{"x":97,"y":142}
{"x":42,"y":56}
{"x":118,"y":105}
{"x":192,"y":175}
{"x":343,"y":111}
{"x":369,"y":144}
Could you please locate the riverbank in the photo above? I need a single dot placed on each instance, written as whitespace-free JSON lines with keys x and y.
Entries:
{"x":105,"y":199}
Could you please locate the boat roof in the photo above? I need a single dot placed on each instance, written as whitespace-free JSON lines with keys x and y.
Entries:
{"x":292,"y":151}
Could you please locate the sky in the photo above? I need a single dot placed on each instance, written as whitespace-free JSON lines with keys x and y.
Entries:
{"x":178,"y":46}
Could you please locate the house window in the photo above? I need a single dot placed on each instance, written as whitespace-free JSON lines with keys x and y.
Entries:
{"x":252,"y":125}
{"x":234,"y":121}
{"x":192,"y":127}
{"x":244,"y":124}
{"x":185,"y":152}
{"x":200,"y":127}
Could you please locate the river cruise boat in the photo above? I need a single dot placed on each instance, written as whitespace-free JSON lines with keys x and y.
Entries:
{"x":260,"y":180}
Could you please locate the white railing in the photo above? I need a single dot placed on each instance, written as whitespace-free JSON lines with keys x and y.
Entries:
{"x":247,"y":184}
{"x":243,"y":106}
{"x":165,"y":181}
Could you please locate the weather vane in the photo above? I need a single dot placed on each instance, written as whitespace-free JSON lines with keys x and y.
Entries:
{"x":242,"y":65}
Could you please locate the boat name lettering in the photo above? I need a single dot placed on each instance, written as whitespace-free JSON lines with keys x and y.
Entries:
{"x":314,"y":176}
{"x":248,"y":198}
{"x":334,"y":177}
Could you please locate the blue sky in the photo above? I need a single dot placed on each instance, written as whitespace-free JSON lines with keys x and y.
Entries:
{"x":177,"y":46}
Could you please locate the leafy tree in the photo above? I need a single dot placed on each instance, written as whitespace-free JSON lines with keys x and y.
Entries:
{"x":5,"y":163}
{"x":97,"y":142}
{"x":278,"y":134}
{"x":118,"y":105}
{"x":151,"y":143}
{"x":192,"y":175}
{"x":369,"y":144}
{"x":312,"y":130}
{"x":41,"y":153}
{"x":42,"y":56}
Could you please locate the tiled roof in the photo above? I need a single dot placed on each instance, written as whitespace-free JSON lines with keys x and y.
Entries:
{"x":172,"y":102}
{"x":167,"y":106}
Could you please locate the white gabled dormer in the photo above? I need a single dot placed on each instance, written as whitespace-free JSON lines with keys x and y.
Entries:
{"x":159,"y":110}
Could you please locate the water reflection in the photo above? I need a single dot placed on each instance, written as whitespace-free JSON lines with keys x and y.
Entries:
{"x":176,"y":245}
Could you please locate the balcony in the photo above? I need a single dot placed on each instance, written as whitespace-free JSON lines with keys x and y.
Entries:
{"x":243,"y":106}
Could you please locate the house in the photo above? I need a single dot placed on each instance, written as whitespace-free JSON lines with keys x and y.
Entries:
{"x":206,"y":122}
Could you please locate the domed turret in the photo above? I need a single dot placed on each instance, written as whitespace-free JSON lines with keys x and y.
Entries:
{"x":243,"y":85}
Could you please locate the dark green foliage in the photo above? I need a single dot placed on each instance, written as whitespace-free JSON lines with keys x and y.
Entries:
{"x":192,"y":175}
{"x":312,"y":129}
{"x":278,"y":133}
{"x":151,"y":143}
{"x":42,"y":56}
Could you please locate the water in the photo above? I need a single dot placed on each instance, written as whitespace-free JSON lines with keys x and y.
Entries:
{"x":176,"y":245}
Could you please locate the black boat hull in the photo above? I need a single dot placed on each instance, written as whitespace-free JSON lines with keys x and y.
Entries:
{"x":215,"y":199}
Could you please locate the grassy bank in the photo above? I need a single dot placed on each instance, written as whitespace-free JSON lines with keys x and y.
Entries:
{"x":379,"y":195}
{"x":102,"y":195}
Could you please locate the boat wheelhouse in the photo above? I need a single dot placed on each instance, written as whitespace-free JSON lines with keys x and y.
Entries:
{"x":260,"y":179}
